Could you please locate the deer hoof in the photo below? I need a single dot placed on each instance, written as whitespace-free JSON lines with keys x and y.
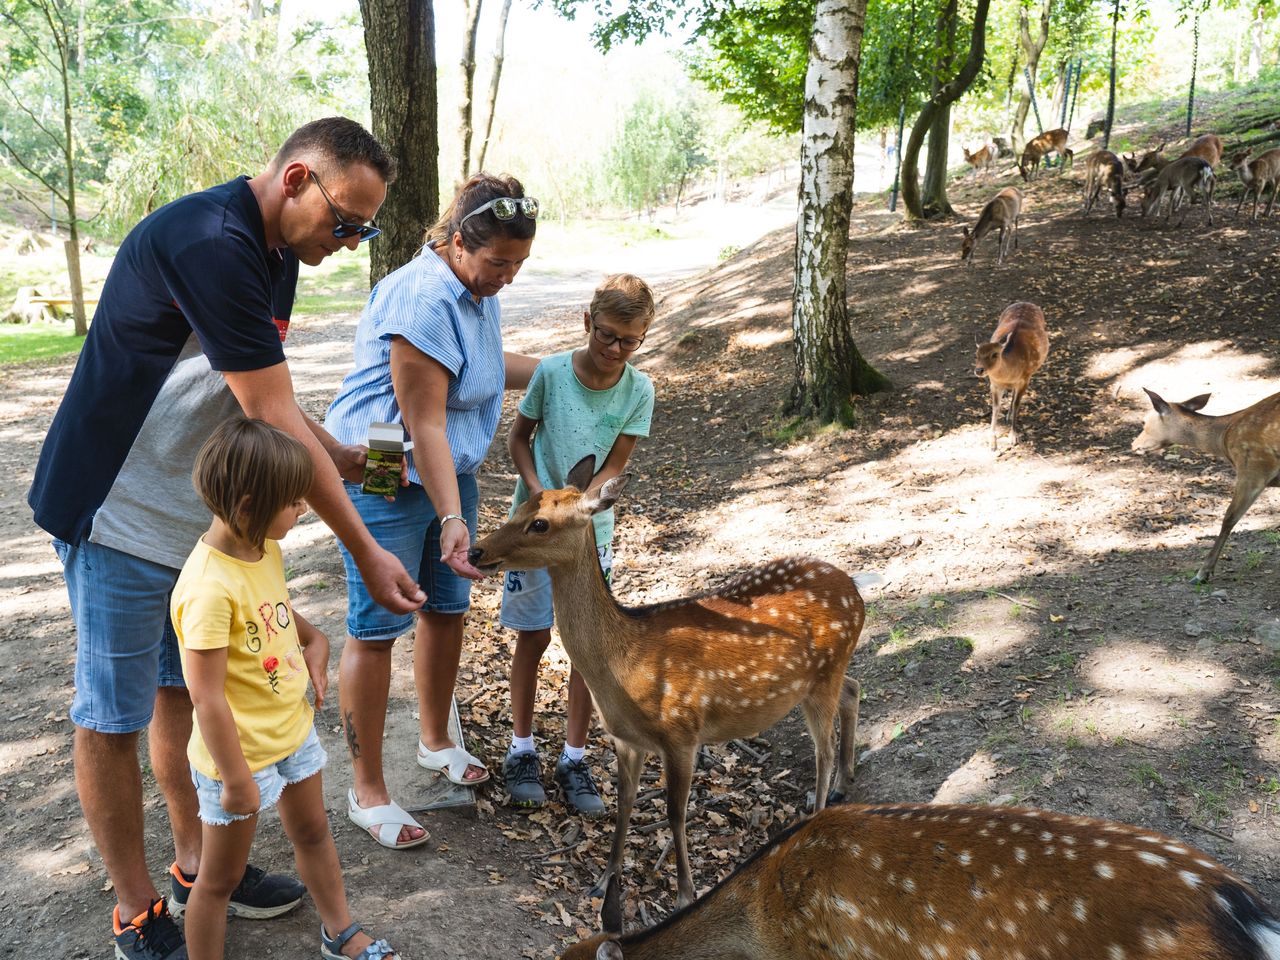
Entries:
{"x":601,"y":886}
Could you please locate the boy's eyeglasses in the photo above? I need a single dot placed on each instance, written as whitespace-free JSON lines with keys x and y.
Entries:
{"x":345,"y":230}
{"x":608,"y":339}
{"x":504,"y":208}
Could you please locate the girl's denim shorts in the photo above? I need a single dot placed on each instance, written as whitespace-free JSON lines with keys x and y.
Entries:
{"x":308,"y":760}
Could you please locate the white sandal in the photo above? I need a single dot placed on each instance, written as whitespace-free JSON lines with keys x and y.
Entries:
{"x":452,"y":761}
{"x":388,"y":819}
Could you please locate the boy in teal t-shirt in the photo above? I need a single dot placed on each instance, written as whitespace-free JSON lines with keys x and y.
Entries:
{"x":589,"y":401}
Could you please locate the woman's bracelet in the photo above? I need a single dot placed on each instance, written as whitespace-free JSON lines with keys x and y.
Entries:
{"x":452,"y":516}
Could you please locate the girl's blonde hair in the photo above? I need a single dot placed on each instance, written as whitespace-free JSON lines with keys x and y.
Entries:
{"x":247,"y":472}
{"x":482,"y":230}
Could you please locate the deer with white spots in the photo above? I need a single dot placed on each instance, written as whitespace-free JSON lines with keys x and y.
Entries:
{"x":721,"y":665}
{"x":926,"y":882}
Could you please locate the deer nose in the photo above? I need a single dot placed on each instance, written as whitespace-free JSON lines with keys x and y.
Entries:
{"x":474,"y":555}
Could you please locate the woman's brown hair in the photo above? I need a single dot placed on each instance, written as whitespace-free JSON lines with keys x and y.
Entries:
{"x":482,"y":230}
{"x":247,"y":472}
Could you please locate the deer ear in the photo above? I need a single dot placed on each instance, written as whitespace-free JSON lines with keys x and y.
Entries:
{"x":1008,"y":341}
{"x":977,"y":338}
{"x":604,"y":496}
{"x":611,"y":911}
{"x":1195,"y":403}
{"x":1157,"y":401}
{"x":609,"y":950}
{"x":580,"y":476}
{"x":966,"y":232}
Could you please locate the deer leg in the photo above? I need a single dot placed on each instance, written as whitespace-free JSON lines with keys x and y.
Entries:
{"x":1208,"y":199}
{"x":819,"y":710}
{"x":678,"y":766}
{"x":630,"y":760}
{"x":1275,"y":185}
{"x":850,"y":697}
{"x":995,"y":412}
{"x":1014,"y":402}
{"x":1249,"y":484}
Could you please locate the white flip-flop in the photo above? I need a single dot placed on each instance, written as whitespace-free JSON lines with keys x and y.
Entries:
{"x":452,"y":761}
{"x":383,"y":823}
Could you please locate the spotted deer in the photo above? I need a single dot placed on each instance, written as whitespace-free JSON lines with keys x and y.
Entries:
{"x":981,"y":159}
{"x":1010,"y":358}
{"x":1104,"y":171}
{"x":953,"y":882}
{"x":1000,"y":213}
{"x":720,"y":665}
{"x":1051,"y":141}
{"x":1256,"y":174}
{"x":1208,"y":147}
{"x":1249,"y":439}
{"x":1179,"y":182}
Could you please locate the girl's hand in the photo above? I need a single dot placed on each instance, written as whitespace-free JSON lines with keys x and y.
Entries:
{"x":241,"y":797}
{"x":316,"y":656}
{"x":455,"y":542}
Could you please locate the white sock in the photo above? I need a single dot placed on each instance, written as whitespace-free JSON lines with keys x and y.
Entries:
{"x":574,"y":754}
{"x":521,"y":745}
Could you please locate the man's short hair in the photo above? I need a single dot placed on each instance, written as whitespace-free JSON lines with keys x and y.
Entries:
{"x":624,"y":297}
{"x":340,"y":141}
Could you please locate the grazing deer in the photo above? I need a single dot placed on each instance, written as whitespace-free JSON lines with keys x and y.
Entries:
{"x":1153,"y":160}
{"x":1001,"y":213}
{"x":1104,"y":169}
{"x":667,"y":678}
{"x":1208,"y":147}
{"x":1009,"y":359}
{"x":1051,"y":141}
{"x":980,"y":159}
{"x":1256,"y":174}
{"x":952,"y":882}
{"x":1179,"y":181}
{"x":1249,"y":439}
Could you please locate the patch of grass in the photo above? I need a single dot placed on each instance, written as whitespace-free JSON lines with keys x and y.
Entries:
{"x":1066,"y":660}
{"x":1253,"y":559}
{"x":726,"y":253}
{"x":1272,"y":537}
{"x":1271,"y":786}
{"x":790,"y":430}
{"x":1210,"y":805}
{"x":1073,"y":742}
{"x":964,"y":645}
{"x":1145,"y":775}
{"x":20,"y":343}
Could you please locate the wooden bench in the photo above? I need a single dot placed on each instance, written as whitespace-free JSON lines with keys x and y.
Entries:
{"x":61,"y":303}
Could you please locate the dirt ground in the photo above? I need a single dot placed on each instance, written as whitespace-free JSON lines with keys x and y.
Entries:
{"x":1037,"y":640}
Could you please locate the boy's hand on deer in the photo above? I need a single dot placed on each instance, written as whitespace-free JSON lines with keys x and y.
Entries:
{"x":241,"y":796}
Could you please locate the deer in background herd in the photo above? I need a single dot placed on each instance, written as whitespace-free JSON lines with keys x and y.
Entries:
{"x":1000,"y":213}
{"x":717,"y":666}
{"x":1104,"y":170}
{"x":926,"y":882}
{"x":1180,"y":181}
{"x":980,"y":159}
{"x":1051,"y":141}
{"x":1208,"y":147}
{"x":1256,"y":174}
{"x":1153,"y":160}
{"x":1249,"y":439}
{"x":1009,"y":359}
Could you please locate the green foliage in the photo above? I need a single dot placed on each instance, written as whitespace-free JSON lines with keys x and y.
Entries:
{"x":657,"y":146}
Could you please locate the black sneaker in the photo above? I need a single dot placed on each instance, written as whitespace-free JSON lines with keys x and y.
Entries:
{"x":149,"y":936}
{"x":523,"y":774}
{"x":259,"y":896}
{"x":580,"y":793}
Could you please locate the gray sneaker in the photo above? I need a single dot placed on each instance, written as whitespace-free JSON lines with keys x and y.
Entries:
{"x":523,"y":774}
{"x":580,"y":793}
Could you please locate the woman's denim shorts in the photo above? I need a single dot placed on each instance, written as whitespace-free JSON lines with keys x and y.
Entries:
{"x":308,"y":760}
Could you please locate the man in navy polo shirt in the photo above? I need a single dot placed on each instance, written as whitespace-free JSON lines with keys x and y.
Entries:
{"x":188,"y":330}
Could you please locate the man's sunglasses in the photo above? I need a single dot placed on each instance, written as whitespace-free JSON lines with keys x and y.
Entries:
{"x":504,"y":208}
{"x":345,"y":230}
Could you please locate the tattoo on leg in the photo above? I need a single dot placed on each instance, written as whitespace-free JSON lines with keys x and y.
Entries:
{"x":353,"y":745}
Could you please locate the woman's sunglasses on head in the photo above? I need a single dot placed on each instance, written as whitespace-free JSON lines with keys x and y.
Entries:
{"x":345,"y":229}
{"x":505,"y":208}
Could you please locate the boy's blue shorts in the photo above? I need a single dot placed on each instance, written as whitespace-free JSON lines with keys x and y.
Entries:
{"x":408,"y":527}
{"x":526,"y":595}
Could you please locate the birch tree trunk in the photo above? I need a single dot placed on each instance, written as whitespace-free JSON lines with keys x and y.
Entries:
{"x":493,"y":81}
{"x":1031,"y":49}
{"x":400,"y":40}
{"x":829,"y":369}
{"x":468,"y":65}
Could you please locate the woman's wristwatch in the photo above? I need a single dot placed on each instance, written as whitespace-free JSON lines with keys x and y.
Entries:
{"x":452,"y":516}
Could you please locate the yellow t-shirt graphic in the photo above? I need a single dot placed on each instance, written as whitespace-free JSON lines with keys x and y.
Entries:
{"x":220,"y":601}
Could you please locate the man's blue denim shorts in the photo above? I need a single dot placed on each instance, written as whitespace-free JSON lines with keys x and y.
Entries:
{"x":308,"y":760}
{"x":125,"y":644}
{"x":408,"y":527}
{"x":526,"y":595}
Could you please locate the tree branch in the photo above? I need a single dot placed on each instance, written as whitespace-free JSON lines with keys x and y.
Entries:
{"x":29,"y":112}
{"x":39,"y":176}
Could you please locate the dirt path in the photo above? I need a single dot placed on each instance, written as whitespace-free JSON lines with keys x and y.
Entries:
{"x":1037,"y":641}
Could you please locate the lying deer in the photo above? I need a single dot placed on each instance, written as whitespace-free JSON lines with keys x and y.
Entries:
{"x":1001,"y":213}
{"x":980,"y":159}
{"x":1208,"y":147}
{"x":1051,"y":141}
{"x":1153,"y":160}
{"x":1009,"y":359}
{"x":1256,"y":174}
{"x":1248,"y":438}
{"x":1104,"y":169}
{"x":1180,"y":181}
{"x":712,"y":667}
{"x":926,"y":882}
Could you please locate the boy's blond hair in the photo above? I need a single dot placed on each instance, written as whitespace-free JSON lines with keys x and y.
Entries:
{"x":247,"y":472}
{"x":624,"y":297}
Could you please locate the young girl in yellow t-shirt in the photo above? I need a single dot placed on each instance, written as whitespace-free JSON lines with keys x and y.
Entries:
{"x":246,"y":657}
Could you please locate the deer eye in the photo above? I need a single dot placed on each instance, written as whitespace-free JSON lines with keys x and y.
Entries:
{"x":539,"y":526}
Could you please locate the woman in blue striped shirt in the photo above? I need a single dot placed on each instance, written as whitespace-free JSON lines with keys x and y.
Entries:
{"x":428,"y":354}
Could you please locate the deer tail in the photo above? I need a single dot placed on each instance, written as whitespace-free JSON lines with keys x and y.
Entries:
{"x":1245,"y":925}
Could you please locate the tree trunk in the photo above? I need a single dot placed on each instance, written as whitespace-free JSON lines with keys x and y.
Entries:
{"x":493,"y":81}
{"x":1058,"y":109}
{"x":63,"y":44}
{"x":400,"y":40}
{"x":468,"y":65}
{"x":829,"y":369}
{"x":1031,"y":49}
{"x":934,"y":192}
{"x":1111,"y":90}
{"x":948,"y":94}
{"x":1256,"y":29}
